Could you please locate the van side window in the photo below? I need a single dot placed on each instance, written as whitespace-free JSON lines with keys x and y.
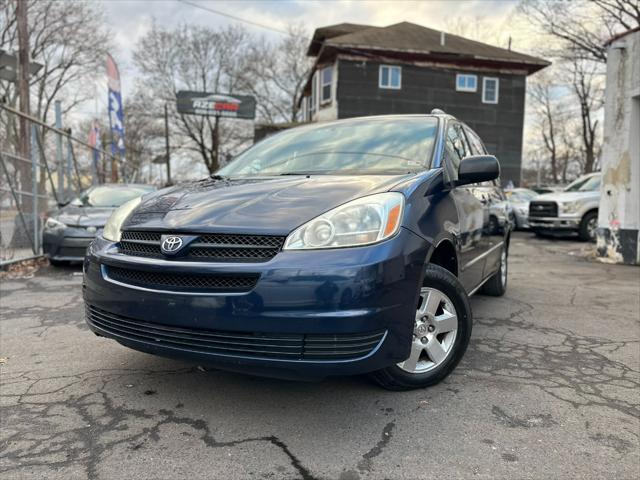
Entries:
{"x":456,"y":148}
{"x":456,"y":145}
{"x":477,"y":147}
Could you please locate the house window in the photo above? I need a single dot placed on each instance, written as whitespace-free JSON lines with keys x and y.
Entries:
{"x":390,"y":77}
{"x":466,"y":83}
{"x":490,"y":87}
{"x":325,"y":88}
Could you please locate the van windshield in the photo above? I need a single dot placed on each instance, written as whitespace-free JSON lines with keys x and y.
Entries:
{"x":374,"y":145}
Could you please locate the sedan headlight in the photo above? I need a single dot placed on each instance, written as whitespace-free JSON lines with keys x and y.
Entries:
{"x":114,"y":224}
{"x":359,"y":222}
{"x":571,"y":207}
{"x":53,"y":224}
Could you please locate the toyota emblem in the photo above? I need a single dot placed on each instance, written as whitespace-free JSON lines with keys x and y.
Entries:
{"x":171,"y":244}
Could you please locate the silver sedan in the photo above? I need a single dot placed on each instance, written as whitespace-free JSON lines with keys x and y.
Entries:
{"x":519,"y":199}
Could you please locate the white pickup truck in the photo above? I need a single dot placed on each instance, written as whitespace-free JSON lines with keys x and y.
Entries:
{"x":575,"y":209}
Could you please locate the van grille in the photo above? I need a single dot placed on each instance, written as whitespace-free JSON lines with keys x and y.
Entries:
{"x":188,"y":282}
{"x":246,"y":344}
{"x":216,"y":247}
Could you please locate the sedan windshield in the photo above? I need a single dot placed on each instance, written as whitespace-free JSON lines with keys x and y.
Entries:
{"x":383,"y":145}
{"x":111,"y":196}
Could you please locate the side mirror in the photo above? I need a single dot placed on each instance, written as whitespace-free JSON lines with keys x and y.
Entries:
{"x":478,"y":168}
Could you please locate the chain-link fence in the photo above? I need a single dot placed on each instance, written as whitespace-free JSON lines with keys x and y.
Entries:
{"x":56,"y":168}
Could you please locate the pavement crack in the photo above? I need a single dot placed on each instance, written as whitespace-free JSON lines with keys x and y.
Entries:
{"x":366,"y":464}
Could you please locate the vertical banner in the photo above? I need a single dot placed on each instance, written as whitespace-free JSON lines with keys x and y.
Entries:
{"x":96,"y":145}
{"x":116,"y":113}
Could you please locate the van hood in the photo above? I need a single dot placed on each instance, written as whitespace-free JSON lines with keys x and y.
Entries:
{"x":564,"y":197}
{"x":267,"y":205}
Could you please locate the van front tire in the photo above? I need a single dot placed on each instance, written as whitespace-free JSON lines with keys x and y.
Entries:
{"x":444,"y":341}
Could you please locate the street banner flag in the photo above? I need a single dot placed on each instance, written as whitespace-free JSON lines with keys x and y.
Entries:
{"x":116,"y":113}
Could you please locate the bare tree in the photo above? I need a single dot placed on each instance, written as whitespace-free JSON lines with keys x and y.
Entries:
{"x":478,"y":28}
{"x":192,"y":58}
{"x":583,"y":27}
{"x":223,"y":60}
{"x":548,"y":122}
{"x":588,"y":88}
{"x":69,"y":39}
{"x":276,"y":74}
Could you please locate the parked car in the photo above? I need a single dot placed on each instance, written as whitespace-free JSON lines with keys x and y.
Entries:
{"x":519,"y":199}
{"x":69,"y":230}
{"x":574,"y":210}
{"x":539,"y":189}
{"x":337,"y":248}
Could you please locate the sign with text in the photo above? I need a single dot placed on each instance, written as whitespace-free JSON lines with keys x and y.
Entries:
{"x":216,"y":104}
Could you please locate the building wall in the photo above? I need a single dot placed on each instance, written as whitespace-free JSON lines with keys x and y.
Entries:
{"x":619,"y":212}
{"x":425,"y":88}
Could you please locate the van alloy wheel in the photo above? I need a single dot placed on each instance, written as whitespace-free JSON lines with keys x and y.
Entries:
{"x":434,"y":332}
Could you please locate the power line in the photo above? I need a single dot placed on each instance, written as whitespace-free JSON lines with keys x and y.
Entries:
{"x":239,"y":19}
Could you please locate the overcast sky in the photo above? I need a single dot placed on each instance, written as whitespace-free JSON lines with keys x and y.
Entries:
{"x":130,"y":20}
{"x":492,"y":21}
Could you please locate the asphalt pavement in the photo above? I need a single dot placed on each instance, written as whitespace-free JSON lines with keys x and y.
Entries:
{"x":548,"y":389}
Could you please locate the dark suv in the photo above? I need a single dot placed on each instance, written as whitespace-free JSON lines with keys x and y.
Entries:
{"x":337,"y":248}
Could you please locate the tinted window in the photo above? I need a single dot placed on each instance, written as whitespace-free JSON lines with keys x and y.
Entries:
{"x":456,"y":147}
{"x":474,"y":142}
{"x":370,"y":145}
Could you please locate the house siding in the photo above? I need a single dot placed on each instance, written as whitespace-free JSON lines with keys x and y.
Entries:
{"x":425,"y":88}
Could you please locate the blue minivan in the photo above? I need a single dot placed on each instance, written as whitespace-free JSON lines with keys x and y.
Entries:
{"x":336,"y":248}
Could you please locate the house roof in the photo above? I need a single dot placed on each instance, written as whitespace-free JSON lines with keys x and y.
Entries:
{"x":323,"y":33}
{"x":409,"y":38}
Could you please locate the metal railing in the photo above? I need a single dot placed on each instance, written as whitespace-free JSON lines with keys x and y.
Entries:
{"x":59,"y":167}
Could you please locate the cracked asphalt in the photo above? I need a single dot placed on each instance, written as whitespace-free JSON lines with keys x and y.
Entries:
{"x":549,"y":388}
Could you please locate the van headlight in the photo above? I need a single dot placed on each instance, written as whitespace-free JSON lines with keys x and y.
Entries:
{"x":114,"y":224}
{"x":362,"y":221}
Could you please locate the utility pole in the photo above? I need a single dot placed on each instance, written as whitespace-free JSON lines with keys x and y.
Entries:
{"x":59,"y":160}
{"x":166,"y":143}
{"x":215,"y":141}
{"x":23,"y":93}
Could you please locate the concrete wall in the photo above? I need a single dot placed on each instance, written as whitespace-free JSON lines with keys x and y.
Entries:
{"x":619,"y":212}
{"x":425,"y":88}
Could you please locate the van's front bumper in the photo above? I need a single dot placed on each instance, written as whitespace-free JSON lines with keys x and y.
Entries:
{"x":311,"y":313}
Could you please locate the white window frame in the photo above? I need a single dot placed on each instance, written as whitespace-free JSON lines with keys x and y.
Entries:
{"x":465,"y":88}
{"x":484,"y":89}
{"x":390,"y":67}
{"x":325,"y":101}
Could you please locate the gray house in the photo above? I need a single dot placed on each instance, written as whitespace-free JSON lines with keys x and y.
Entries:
{"x":406,"y":68}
